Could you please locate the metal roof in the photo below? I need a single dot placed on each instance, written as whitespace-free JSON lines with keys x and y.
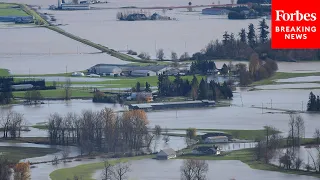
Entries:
{"x":168,"y":151}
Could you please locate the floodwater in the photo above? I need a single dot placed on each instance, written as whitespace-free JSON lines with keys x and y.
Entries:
{"x":147,"y":169}
{"x":43,"y":51}
{"x":73,"y":151}
{"x":288,"y":86}
{"x":40,"y":113}
{"x":190,"y":33}
{"x":300,"y":79}
{"x":234,"y":117}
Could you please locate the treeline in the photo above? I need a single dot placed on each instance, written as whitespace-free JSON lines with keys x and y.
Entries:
{"x":202,"y":67}
{"x":101,"y":97}
{"x":193,"y":89}
{"x":254,"y":1}
{"x":247,"y":42}
{"x":258,"y":69}
{"x":313,"y":103}
{"x":12,"y":123}
{"x":103,"y":131}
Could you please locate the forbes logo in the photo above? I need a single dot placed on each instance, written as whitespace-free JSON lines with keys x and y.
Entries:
{"x":281,"y":15}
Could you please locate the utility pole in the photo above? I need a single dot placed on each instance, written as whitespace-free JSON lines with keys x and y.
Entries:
{"x":66,"y":70}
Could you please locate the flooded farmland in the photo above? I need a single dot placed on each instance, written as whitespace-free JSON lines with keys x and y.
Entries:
{"x":223,"y":170}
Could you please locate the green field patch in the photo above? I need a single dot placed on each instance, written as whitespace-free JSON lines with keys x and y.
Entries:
{"x":56,"y":93}
{"x":4,"y":72}
{"x":86,"y":171}
{"x":12,"y":12}
{"x":15,"y":154}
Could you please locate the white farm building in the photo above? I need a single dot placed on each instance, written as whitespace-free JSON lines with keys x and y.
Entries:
{"x":216,"y":139}
{"x":143,"y":73}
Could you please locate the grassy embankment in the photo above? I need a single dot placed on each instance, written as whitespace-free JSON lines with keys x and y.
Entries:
{"x":86,"y":171}
{"x":283,"y":75}
{"x":4,"y":72}
{"x":100,"y":47}
{"x":15,"y":154}
{"x":7,"y":10}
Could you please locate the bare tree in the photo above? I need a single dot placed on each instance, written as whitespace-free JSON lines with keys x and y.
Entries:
{"x":160,"y":54}
{"x":174,"y":56}
{"x":166,"y":137}
{"x":65,"y":153}
{"x":107,"y":173}
{"x":300,"y":129}
{"x":187,"y":170}
{"x":194,"y":169}
{"x":67,"y":89}
{"x":157,"y":130}
{"x":201,"y":168}
{"x":316,"y":136}
{"x":120,"y":171}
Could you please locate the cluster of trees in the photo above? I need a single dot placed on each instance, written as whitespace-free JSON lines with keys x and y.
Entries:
{"x":249,"y":42}
{"x":138,"y":88}
{"x":103,"y":98}
{"x":202,"y":66}
{"x":286,"y":149}
{"x":313,"y":103}
{"x":6,"y":90}
{"x":12,"y":123}
{"x":21,"y":171}
{"x":33,"y":96}
{"x":193,"y":89}
{"x":192,"y":169}
{"x":101,"y":131}
{"x":258,"y":69}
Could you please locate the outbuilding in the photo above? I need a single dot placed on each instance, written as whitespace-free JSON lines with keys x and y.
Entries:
{"x":166,"y":154}
{"x":143,"y":73}
{"x":216,"y":139}
{"x":105,"y":70}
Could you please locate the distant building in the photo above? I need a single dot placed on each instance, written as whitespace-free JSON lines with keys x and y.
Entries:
{"x":135,"y":17}
{"x":17,"y":19}
{"x":215,"y":11}
{"x":204,"y":150}
{"x":77,"y":74}
{"x":144,"y":96}
{"x":166,"y":154}
{"x":216,"y":139}
{"x":105,"y":70}
{"x":143,"y":73}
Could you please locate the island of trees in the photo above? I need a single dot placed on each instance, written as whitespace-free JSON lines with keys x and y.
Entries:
{"x":242,"y":45}
{"x":313,"y":103}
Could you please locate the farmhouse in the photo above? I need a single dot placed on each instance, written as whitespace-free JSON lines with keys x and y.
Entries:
{"x":216,"y":139}
{"x":166,"y":154}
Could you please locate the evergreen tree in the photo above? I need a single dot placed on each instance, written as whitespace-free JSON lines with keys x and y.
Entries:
{"x":251,"y":35}
{"x":203,"y":90}
{"x":148,"y":89}
{"x":212,"y":86}
{"x":138,"y":86}
{"x":186,"y":88}
{"x":318,"y":104}
{"x":178,"y":82}
{"x":194,"y":88}
{"x":243,"y":36}
{"x":312,"y":103}
{"x":226,"y":38}
{"x":263,"y":27}
{"x":224,"y":69}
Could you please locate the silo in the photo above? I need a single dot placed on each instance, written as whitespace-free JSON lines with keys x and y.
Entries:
{"x":59,"y":3}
